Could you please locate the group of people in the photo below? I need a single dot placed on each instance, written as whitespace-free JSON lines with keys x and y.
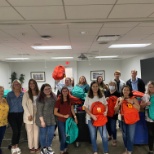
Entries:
{"x":41,"y":110}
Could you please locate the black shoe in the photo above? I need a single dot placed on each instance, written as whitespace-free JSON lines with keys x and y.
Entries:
{"x":150,"y":152}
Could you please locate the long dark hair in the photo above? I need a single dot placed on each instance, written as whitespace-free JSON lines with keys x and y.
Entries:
{"x":42,"y":96}
{"x":30,"y":90}
{"x":130,"y":89}
{"x":68,"y":97}
{"x":91,"y":94}
{"x":102,"y":84}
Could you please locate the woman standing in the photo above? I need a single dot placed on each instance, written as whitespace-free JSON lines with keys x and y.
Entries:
{"x":29,"y":105}
{"x":63,"y":110}
{"x":83,"y":84}
{"x":128,"y":130}
{"x":111,"y":96}
{"x":4,"y":109}
{"x":148,"y":100}
{"x":45,"y":118}
{"x":15,"y":118}
{"x":95,"y":95}
{"x":102,"y":85}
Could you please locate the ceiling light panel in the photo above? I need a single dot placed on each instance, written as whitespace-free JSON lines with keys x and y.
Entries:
{"x":129,"y":45}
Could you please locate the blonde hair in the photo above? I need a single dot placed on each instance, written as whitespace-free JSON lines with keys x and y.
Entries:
{"x":147,"y":87}
{"x":134,"y":71}
{"x":117,"y":71}
{"x":18,"y":82}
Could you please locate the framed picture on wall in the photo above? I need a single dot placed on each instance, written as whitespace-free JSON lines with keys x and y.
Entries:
{"x":38,"y":76}
{"x":95,"y":74}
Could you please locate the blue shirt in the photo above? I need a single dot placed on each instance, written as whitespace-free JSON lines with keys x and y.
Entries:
{"x":15,"y":103}
{"x":134,"y":84}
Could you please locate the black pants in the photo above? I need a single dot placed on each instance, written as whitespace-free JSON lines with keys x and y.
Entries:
{"x":15,"y":121}
{"x":2,"y":132}
{"x":150,"y":126}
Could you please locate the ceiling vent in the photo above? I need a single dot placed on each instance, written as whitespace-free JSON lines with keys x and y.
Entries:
{"x":46,"y":37}
{"x":107,"y":38}
{"x":83,"y":57}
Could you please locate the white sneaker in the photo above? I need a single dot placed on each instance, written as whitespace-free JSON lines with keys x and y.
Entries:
{"x":44,"y":151}
{"x":18,"y":150}
{"x":50,"y":150}
{"x":13,"y":151}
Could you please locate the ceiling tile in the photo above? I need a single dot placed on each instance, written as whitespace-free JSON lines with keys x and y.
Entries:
{"x":88,"y":2}
{"x":146,"y":24}
{"x":4,"y":3}
{"x":8,"y":13}
{"x":134,"y":1}
{"x":35,"y":2}
{"x":42,"y":13}
{"x":120,"y":24}
{"x":114,"y":31}
{"x":85,"y":25}
{"x":152,"y":15}
{"x":132,"y":11}
{"x":87,"y":12}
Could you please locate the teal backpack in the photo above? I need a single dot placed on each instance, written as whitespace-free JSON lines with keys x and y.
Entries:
{"x":71,"y":130}
{"x":151,"y":108}
{"x":78,"y":92}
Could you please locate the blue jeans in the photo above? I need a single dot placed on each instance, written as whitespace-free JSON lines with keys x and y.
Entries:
{"x":103,"y":134}
{"x":128,"y":133}
{"x":111,"y":127}
{"x":61,"y":127}
{"x":46,"y":135}
{"x":2,"y":132}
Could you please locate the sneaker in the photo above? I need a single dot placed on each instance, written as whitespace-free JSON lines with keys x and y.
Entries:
{"x":44,"y":151}
{"x":18,"y":150}
{"x":13,"y":151}
{"x":50,"y":151}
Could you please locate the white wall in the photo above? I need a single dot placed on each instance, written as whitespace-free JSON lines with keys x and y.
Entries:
{"x":25,"y":68}
{"x":79,"y":68}
{"x":5,"y":74}
{"x":133,"y":63}
{"x":84,"y":68}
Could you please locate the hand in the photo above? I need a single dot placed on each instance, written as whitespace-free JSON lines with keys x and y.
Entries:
{"x":66,"y":116}
{"x":148,"y":103}
{"x":76,"y":120}
{"x":43,"y":124}
{"x":105,"y":113}
{"x":93,"y":117}
{"x":30,"y":118}
{"x":107,"y":98}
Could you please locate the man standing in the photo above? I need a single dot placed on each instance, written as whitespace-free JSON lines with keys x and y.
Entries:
{"x":120,"y":83}
{"x":136,"y":83}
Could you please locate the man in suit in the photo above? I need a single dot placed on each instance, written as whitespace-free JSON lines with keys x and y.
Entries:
{"x":136,"y":83}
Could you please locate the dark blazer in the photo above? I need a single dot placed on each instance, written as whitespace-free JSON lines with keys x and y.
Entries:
{"x":141,"y":85}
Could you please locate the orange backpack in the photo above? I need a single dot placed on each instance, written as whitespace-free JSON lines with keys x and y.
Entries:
{"x":98,"y":109}
{"x":111,"y":104}
{"x":59,"y":72}
{"x":129,"y":113}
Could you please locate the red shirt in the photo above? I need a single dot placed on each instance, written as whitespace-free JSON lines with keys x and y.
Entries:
{"x":64,"y":109}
